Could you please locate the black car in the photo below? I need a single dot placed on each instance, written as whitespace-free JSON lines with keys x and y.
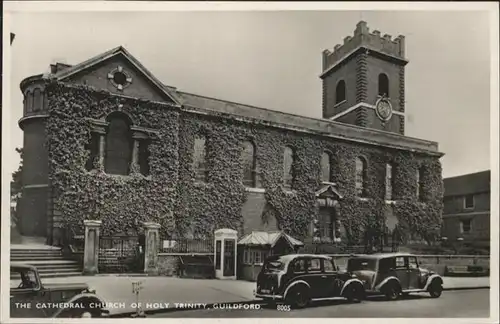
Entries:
{"x":29,"y":297}
{"x":296,"y":279}
{"x":394,"y":274}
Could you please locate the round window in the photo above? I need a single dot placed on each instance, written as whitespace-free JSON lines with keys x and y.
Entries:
{"x":120,"y":78}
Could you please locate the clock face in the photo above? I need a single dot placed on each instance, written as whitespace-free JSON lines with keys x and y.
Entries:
{"x":384,"y":109}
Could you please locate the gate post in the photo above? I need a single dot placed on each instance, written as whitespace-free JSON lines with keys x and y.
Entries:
{"x":91,"y":252}
{"x":152,"y":234}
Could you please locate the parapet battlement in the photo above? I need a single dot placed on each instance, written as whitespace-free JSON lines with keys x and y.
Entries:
{"x":363,"y":37}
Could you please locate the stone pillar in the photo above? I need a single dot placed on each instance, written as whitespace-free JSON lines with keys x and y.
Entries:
{"x":152,"y":237}
{"x":91,"y":252}
{"x":100,"y":130}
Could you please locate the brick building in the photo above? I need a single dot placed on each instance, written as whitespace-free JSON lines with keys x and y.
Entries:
{"x":105,"y":139}
{"x":466,"y":213}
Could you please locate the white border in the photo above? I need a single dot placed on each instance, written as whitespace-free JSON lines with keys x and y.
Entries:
{"x":60,"y":6}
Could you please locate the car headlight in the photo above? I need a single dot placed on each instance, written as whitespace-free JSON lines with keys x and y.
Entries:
{"x":90,"y":290}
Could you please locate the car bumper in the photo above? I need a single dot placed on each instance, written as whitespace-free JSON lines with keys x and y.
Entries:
{"x":267,"y":296}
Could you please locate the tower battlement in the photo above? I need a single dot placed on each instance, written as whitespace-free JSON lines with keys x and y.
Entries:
{"x":363,"y":37}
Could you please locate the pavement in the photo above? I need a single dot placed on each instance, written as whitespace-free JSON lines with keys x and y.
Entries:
{"x":452,"y":304}
{"x":162,"y":293}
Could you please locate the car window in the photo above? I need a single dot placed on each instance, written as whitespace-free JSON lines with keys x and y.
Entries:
{"x":358,"y":264}
{"x":25,"y":279}
{"x":274,"y":265}
{"x":412,"y":262}
{"x":329,"y":266}
{"x":314,"y":265}
{"x":400,"y":262}
{"x":299,"y":266}
{"x":386,"y":265}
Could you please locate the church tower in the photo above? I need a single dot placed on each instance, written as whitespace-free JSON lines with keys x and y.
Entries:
{"x":364,"y":81}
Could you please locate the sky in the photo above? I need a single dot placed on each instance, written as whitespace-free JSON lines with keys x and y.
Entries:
{"x":273,"y":60}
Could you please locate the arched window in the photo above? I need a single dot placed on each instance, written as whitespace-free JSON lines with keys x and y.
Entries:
{"x":388,"y":181}
{"x":249,"y":162}
{"x":118,"y":145}
{"x":420,"y":176}
{"x":288,"y":175}
{"x":340,"y":92}
{"x":360,"y":176}
{"x":383,"y":85}
{"x":326,"y":167}
{"x":200,"y":154}
{"x":37,"y":101}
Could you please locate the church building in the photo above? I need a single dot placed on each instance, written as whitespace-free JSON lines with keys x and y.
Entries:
{"x":105,"y":139}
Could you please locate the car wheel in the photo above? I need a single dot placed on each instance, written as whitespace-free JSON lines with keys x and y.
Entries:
{"x":435,"y":290}
{"x":355,"y":294}
{"x":299,"y":297}
{"x":391,"y":292}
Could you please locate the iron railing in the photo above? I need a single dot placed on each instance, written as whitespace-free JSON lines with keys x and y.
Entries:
{"x":185,"y":245}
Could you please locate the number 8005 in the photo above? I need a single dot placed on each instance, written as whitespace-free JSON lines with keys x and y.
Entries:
{"x":283,"y":308}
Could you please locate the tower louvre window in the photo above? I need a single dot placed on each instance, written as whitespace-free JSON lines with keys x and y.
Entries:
{"x":383,"y":85}
{"x":340,"y":92}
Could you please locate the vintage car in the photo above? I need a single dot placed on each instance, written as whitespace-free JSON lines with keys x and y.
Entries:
{"x":29,"y":297}
{"x":297,"y":279}
{"x":394,"y":274}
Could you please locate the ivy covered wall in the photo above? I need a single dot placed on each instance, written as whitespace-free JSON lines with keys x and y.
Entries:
{"x":171,"y":196}
{"x":121,"y":202}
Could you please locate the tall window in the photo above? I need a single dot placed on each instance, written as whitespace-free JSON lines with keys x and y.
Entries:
{"x":420,"y":176}
{"x":383,"y":85}
{"x":144,"y":157}
{"x":25,"y":103}
{"x":200,"y":155}
{"x":249,"y":161}
{"x":388,"y":181}
{"x":326,"y":167}
{"x":118,"y":145}
{"x":340,"y":92}
{"x":360,"y":177}
{"x":29,"y":98}
{"x":326,"y":223}
{"x":288,"y":175}
{"x":37,"y":100}
{"x":93,"y":148}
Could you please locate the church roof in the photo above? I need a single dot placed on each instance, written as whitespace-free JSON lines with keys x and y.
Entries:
{"x":267,"y":238}
{"x":250,"y":114}
{"x":71,"y":70}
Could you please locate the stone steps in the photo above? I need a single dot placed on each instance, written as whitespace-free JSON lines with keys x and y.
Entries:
{"x":48,"y":260}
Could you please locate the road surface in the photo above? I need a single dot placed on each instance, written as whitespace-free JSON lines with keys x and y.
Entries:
{"x":464,"y":303}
